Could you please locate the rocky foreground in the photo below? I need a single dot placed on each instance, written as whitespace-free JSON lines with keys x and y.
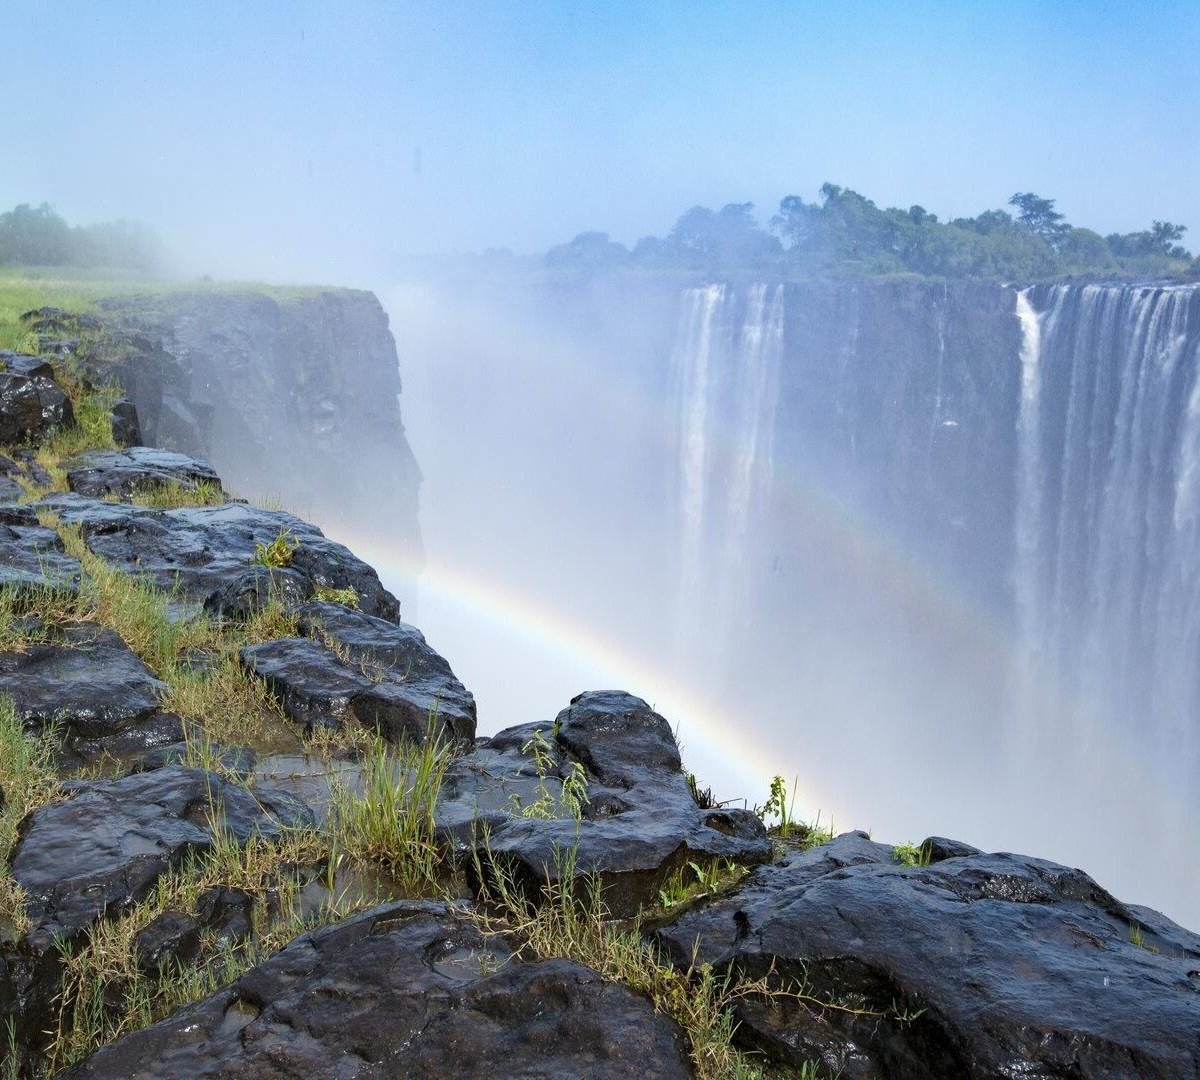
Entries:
{"x":334,"y":877}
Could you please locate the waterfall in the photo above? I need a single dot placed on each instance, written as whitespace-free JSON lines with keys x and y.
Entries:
{"x":691,"y":376}
{"x":725,"y":389}
{"x":1107,"y":581}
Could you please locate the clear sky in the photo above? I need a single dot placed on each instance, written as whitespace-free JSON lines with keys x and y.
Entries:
{"x":319,"y":140}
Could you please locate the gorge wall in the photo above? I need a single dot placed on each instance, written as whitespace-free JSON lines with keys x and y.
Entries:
{"x":292,"y":397}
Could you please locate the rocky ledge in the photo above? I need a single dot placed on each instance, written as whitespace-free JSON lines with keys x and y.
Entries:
{"x":187,"y":908}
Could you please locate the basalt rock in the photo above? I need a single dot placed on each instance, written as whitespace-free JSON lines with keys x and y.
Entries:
{"x":102,"y":848}
{"x":87,"y":680}
{"x":404,"y":990}
{"x":640,"y":822}
{"x":977,"y":966}
{"x":100,"y":851}
{"x":54,"y":406}
{"x":200,"y":552}
{"x":31,"y":556}
{"x":350,"y":665}
{"x":20,"y":408}
{"x":136,"y":470}
{"x":126,"y":428}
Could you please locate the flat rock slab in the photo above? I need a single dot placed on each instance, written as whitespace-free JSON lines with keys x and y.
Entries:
{"x":200,"y":552}
{"x":87,"y":680}
{"x":1018,"y":967}
{"x":403,"y":990}
{"x":351,"y":665}
{"x":641,"y":822}
{"x":31,"y":556}
{"x":136,"y":470}
{"x":102,"y":848}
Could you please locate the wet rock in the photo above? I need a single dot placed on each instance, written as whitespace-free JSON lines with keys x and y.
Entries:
{"x":251,"y":590}
{"x":407,"y":989}
{"x":126,"y":429}
{"x":382,"y":674}
{"x":88,"y":681}
{"x":233,"y":760}
{"x":103,"y":848}
{"x":171,"y":939}
{"x":1006,"y":965}
{"x":140,"y":746}
{"x":639,"y":825}
{"x":20,"y":408}
{"x":32,"y":367}
{"x":134,"y":471}
{"x":230,"y":912}
{"x":198,"y":552}
{"x":31,"y":556}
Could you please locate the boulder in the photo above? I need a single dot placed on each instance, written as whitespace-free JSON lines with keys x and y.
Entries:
{"x":54,"y":405}
{"x":975,"y":966}
{"x":126,"y":428}
{"x":87,"y":680}
{"x":199,"y":552}
{"x":404,"y":990}
{"x":134,"y":471}
{"x":20,"y":408}
{"x":640,"y":822}
{"x":145,"y":744}
{"x":102,"y":848}
{"x":352,"y":665}
{"x":31,"y":556}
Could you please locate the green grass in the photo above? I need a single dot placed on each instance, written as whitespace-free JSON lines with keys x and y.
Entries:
{"x":175,"y":494}
{"x":389,"y":820}
{"x":24,"y":288}
{"x":28,"y":780}
{"x":912,"y":855}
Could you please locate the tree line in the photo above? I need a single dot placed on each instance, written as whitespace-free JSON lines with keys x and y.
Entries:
{"x":39,"y":236}
{"x":843,"y":233}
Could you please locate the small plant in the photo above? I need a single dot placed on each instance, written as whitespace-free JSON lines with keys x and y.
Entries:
{"x":279,"y":552}
{"x":695,"y":880}
{"x":347,"y":597}
{"x":912,"y":855}
{"x":572,"y":796}
{"x":781,"y":806}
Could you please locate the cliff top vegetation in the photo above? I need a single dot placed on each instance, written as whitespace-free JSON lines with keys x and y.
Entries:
{"x":844,"y":234}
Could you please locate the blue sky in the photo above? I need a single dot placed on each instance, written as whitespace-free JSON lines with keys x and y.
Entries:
{"x":307,"y":140}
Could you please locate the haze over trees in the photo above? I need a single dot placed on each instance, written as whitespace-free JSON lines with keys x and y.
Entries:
{"x":844,"y":234}
{"x":39,"y":236}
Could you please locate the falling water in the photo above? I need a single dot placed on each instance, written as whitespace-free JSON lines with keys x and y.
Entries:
{"x":725,"y":375}
{"x":1107,"y":583}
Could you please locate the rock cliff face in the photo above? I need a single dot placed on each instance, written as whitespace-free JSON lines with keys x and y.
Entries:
{"x":294,"y":398}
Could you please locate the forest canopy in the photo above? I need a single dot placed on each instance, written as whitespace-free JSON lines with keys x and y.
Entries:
{"x":844,"y":234}
{"x":39,"y":236}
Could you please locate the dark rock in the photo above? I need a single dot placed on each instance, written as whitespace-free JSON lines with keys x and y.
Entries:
{"x":640,"y":825}
{"x":171,"y":939}
{"x":252,"y":589}
{"x":234,"y":760}
{"x":28,"y":462}
{"x":134,"y":471}
{"x":138,"y":745}
{"x":103,"y":848}
{"x":229,"y":912}
{"x":92,"y":683}
{"x":938,"y":848}
{"x":126,"y":429}
{"x":31,"y":556}
{"x":57,"y":410}
{"x":381,"y":674}
{"x":20,"y":408}
{"x":1007,"y":966}
{"x":404,"y":990}
{"x":197,"y":552}
{"x":52,"y":319}
{"x":32,"y":367}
